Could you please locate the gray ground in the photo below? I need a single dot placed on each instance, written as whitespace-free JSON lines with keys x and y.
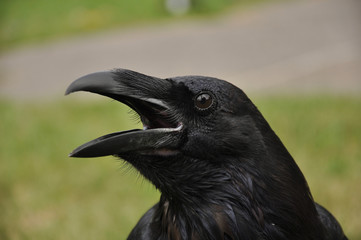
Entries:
{"x":291,"y":46}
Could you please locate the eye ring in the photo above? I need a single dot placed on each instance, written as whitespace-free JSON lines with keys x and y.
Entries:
{"x":204,"y":100}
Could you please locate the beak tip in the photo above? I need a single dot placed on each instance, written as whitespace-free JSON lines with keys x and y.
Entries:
{"x":68,"y":91}
{"x":95,"y":82}
{"x":75,"y":154}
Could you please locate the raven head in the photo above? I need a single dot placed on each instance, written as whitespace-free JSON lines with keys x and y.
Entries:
{"x":193,"y":116}
{"x":191,"y":126}
{"x":204,"y":143}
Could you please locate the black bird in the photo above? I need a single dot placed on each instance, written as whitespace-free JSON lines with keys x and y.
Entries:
{"x":221,"y":170}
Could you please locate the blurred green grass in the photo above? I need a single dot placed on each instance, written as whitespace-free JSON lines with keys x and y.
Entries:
{"x":39,"y":20}
{"x":46,"y":195}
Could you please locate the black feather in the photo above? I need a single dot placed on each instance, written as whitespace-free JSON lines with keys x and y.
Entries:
{"x":234,"y":179}
{"x":222,"y":171}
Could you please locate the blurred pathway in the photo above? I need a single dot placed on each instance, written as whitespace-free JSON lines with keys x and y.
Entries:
{"x":290,"y":46}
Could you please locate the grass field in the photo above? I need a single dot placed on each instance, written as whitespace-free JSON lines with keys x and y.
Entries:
{"x":46,"y":195}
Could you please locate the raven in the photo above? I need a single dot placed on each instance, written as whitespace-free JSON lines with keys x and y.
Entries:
{"x":221,"y":170}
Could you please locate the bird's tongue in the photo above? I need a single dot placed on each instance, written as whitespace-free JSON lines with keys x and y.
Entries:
{"x":130,"y":141}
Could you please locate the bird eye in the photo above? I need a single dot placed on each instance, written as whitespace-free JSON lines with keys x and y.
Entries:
{"x":203,"y":101}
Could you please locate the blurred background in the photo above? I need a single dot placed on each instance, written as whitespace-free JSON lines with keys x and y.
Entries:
{"x":298,"y":60}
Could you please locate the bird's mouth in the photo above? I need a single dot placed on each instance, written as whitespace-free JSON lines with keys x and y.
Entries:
{"x":161,"y":133}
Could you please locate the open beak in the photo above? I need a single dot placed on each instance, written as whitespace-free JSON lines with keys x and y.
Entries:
{"x":149,"y":97}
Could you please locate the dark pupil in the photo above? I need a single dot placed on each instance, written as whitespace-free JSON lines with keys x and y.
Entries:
{"x":203,"y":101}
